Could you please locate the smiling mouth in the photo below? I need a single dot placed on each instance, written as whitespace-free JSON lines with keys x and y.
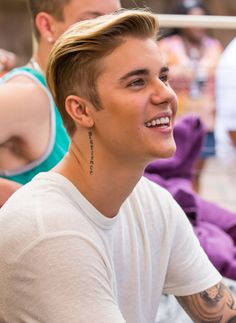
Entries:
{"x":159,"y":122}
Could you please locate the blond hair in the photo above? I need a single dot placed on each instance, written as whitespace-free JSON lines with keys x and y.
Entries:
{"x":73,"y":65}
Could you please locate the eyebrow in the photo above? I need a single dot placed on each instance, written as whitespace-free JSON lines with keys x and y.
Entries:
{"x":93,"y":13}
{"x":164,"y":69}
{"x":142,"y":71}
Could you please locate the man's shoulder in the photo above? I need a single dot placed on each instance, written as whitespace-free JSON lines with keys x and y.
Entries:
{"x":38,"y":211}
{"x":25,"y":80}
{"x":25,"y":95}
{"x":147,"y":186}
{"x":18,"y":222}
{"x":152,"y":198}
{"x":37,"y":193}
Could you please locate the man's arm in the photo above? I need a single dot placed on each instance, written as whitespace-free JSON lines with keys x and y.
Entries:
{"x":216,"y":304}
{"x":17,"y":99}
{"x":24,"y":112}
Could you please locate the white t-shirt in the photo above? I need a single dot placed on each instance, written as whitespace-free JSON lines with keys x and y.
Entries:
{"x":226,"y":104}
{"x":62,"y":261}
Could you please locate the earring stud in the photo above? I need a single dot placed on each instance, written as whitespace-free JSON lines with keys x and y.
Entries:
{"x":50,"y":40}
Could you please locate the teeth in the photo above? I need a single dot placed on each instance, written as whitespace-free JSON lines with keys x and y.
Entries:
{"x":162,"y":121}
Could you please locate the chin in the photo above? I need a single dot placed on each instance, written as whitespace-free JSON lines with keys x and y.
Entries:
{"x":166,"y":152}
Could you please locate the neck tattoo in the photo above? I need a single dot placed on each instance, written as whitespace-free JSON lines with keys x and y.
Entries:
{"x":91,"y":163}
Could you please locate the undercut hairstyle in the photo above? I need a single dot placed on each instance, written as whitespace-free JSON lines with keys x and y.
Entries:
{"x":75,"y":62}
{"x":52,"y":7}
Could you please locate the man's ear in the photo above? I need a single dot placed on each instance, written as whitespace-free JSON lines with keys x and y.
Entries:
{"x":79,"y":110}
{"x":44,"y":23}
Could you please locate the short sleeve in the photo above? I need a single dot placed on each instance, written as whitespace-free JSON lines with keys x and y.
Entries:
{"x":189,"y":269}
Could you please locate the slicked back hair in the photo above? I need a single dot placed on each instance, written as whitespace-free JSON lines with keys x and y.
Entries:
{"x":52,"y":7}
{"x":73,"y":66}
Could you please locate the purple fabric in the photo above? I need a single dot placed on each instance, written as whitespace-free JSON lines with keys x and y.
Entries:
{"x":189,"y":134}
{"x":214,"y":226}
{"x":219,"y":247}
{"x":214,"y":214}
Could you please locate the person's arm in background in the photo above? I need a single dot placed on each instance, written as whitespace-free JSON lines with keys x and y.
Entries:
{"x":7,"y":188}
{"x":216,"y":304}
{"x":24,"y":115}
{"x":24,"y":126}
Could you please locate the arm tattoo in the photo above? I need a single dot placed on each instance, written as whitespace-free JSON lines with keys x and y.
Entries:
{"x":212,"y":295}
{"x":216,"y":305}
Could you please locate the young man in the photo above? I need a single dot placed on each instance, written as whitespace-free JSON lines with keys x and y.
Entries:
{"x":92,"y":240}
{"x":32,"y":138}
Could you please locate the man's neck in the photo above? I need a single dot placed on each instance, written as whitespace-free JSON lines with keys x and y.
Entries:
{"x":107,"y":188}
{"x":41,"y":55}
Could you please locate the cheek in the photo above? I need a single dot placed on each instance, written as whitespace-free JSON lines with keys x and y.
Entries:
{"x":174,"y":104}
{"x":124,"y":111}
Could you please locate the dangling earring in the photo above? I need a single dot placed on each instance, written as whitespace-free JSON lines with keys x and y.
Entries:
{"x":91,"y":163}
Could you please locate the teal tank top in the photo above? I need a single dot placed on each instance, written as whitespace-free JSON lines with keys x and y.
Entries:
{"x":59,"y":141}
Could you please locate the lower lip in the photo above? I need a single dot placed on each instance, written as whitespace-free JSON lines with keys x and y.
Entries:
{"x":166,"y":130}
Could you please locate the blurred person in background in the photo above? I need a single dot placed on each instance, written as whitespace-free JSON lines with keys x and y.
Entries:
{"x":32,"y":136}
{"x":226,"y":113}
{"x":192,"y":56}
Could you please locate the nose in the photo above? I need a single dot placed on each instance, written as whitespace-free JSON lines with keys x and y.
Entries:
{"x":162,"y":92}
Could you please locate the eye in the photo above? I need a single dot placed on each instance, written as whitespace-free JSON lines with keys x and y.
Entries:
{"x":164,"y":78}
{"x":137,"y":83}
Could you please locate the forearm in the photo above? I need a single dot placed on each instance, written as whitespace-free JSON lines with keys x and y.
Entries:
{"x":216,"y":304}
